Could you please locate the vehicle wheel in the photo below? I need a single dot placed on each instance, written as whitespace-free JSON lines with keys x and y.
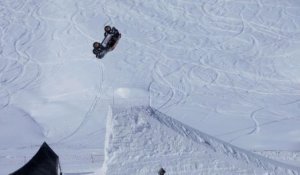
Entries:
{"x":95,"y":51}
{"x":96,"y":45}
{"x":107,"y":29}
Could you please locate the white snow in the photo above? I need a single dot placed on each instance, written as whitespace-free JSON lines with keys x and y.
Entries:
{"x":229,"y":69}
{"x":140,"y":140}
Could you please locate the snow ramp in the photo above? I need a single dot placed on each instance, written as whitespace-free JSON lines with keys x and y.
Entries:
{"x":140,"y":140}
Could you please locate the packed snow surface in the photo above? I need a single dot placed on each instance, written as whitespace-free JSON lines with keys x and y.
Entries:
{"x":140,"y":140}
{"x":226,"y":68}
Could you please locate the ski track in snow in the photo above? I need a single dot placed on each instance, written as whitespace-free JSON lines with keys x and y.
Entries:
{"x":256,"y":124}
{"x":225,"y":61}
{"x":19,"y":70}
{"x":238,"y":28}
{"x":91,"y":109}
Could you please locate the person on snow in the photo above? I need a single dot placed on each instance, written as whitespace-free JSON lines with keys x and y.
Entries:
{"x":161,"y":171}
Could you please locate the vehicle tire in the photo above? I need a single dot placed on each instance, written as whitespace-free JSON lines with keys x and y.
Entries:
{"x":107,"y":29}
{"x":95,"y":51}
{"x":96,"y":45}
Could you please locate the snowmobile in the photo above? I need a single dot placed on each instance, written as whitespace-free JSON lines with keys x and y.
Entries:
{"x":110,"y":41}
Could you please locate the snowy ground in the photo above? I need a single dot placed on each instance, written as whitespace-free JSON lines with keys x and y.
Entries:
{"x":288,"y":157}
{"x":226,"y":68}
{"x":140,"y":140}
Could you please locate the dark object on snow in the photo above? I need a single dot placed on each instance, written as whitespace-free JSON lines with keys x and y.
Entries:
{"x":110,"y":41}
{"x":161,"y":171}
{"x":44,"y":162}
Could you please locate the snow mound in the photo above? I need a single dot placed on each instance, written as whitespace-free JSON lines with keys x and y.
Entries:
{"x":16,"y":125}
{"x":140,"y":140}
{"x":127,"y":96}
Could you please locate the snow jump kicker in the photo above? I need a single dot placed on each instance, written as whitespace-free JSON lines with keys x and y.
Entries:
{"x":110,"y":41}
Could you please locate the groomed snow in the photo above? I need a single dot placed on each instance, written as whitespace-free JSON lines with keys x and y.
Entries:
{"x":226,"y":68}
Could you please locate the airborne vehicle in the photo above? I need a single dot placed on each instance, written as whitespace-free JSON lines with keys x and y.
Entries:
{"x":110,"y":41}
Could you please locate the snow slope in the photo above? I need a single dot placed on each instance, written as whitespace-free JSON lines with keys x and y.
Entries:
{"x":140,"y":140}
{"x":227,"y":68}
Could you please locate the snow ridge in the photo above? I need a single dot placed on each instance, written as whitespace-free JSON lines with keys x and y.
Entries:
{"x":140,"y":140}
{"x":107,"y":138}
{"x":226,"y":148}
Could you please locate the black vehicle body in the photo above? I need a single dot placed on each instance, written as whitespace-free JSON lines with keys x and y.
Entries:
{"x":111,"y":38}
